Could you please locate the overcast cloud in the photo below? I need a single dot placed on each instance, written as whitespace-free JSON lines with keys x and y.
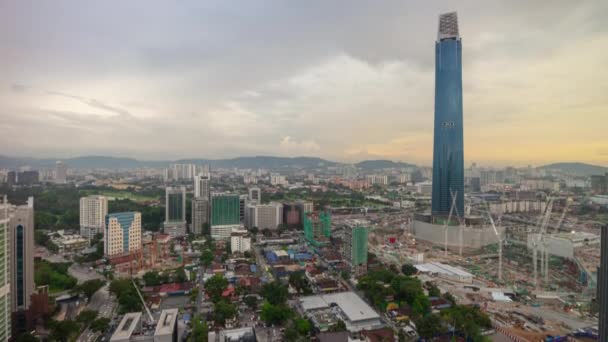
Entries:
{"x":344,"y":80}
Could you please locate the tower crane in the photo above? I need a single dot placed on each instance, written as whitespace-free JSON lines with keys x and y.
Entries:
{"x":540,"y":238}
{"x":500,"y":240}
{"x":447,"y":223}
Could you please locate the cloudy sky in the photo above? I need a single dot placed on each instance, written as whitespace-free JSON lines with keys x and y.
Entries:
{"x":344,"y":80}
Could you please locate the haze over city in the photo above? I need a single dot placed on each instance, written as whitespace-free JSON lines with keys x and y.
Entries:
{"x":341,"y":81}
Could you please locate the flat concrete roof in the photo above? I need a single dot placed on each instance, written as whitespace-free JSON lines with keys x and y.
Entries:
{"x":166,"y":322}
{"x":126,"y":326}
{"x":436,"y":267}
{"x":350,"y":303}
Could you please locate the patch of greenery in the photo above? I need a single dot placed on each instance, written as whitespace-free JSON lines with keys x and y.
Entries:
{"x":55,"y":275}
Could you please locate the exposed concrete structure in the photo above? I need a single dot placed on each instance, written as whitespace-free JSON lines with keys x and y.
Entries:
{"x":472,"y":237}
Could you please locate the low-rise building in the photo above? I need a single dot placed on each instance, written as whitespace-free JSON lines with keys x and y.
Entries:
{"x":240,"y":241}
{"x":347,"y":306}
{"x":166,"y":329}
{"x":129,"y":325}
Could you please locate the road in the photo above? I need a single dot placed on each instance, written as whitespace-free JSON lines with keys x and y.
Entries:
{"x":82,"y":273}
{"x":104,"y":304}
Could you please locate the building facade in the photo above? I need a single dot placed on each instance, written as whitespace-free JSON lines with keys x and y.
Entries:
{"x":21,"y":226}
{"x":225,"y":209}
{"x":202,"y":186}
{"x":602,"y":286}
{"x":264,"y":216}
{"x":317,"y":227}
{"x":448,"y":150}
{"x":60,"y":172}
{"x":255,"y":195}
{"x":240,"y":241}
{"x":175,"y":211}
{"x":93,"y":211}
{"x":223,"y":232}
{"x":200,"y":215}
{"x":355,"y":246}
{"x":5,"y":274}
{"x":123,"y":233}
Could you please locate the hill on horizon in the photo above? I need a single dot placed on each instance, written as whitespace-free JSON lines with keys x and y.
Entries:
{"x":576,"y":168}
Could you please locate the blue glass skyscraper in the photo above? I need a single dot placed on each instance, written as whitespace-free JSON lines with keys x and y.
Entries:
{"x":448,"y":151}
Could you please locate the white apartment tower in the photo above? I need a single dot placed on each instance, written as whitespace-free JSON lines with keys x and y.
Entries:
{"x":123,"y":233}
{"x":93,"y":211}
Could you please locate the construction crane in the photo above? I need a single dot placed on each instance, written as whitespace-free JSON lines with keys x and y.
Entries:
{"x":559,"y":224}
{"x":540,"y":238}
{"x":447,"y":223}
{"x":143,"y":301}
{"x":500,"y":240}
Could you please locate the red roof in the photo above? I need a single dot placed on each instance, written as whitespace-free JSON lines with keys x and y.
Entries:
{"x":175,"y":287}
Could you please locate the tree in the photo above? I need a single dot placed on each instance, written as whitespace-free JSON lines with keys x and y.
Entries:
{"x":194,"y":294}
{"x":299,"y":282}
{"x":89,"y":287}
{"x":207,"y":257}
{"x":223,"y":310}
{"x":251,"y":301}
{"x":26,"y":337}
{"x":128,"y":299}
{"x":253,"y":230}
{"x":450,"y":298}
{"x":275,"y":293}
{"x":62,"y":331}
{"x":408,"y":269}
{"x":215,"y":285}
{"x":430,"y":326}
{"x":339,"y":326}
{"x":180,"y":275}
{"x":275,"y":314}
{"x":303,"y":326}
{"x":86,"y":317}
{"x":200,"y":330}
{"x":100,"y":325}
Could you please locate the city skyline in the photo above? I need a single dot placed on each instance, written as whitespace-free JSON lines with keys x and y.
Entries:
{"x":220,"y":81}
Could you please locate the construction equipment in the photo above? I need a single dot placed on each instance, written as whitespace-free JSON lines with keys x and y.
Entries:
{"x":447,"y":222}
{"x":546,"y":258}
{"x":540,"y":239}
{"x":500,"y":240}
{"x":143,"y":301}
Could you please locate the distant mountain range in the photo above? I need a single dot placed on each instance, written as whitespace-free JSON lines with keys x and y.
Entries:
{"x":103,"y":162}
{"x":578,"y":169}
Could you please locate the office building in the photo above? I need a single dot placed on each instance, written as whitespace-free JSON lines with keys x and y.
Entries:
{"x":355,"y":246}
{"x":317,"y":227}
{"x":200,"y":215}
{"x":21,"y":230}
{"x":240,"y":241}
{"x":242,"y":207}
{"x":225,"y":209}
{"x":202,"y":185}
{"x":291,"y":215}
{"x":264,"y":216}
{"x":448,"y":150}
{"x":123,"y":233}
{"x":166,"y":328}
{"x":223,"y":232}
{"x":255,"y":195}
{"x":5,"y":273}
{"x":175,"y":211}
{"x":246,"y":334}
{"x":27,"y":177}
{"x":93,"y":211}
{"x":602,"y":286}
{"x":60,"y":173}
{"x":304,"y":207}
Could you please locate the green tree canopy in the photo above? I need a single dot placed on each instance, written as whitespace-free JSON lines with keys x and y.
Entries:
{"x":215,"y":285}
{"x":275,"y":293}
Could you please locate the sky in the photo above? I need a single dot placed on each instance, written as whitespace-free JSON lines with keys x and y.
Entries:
{"x":342,"y":80}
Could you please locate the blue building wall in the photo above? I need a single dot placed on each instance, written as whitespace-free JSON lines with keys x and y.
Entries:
{"x":448,"y":150}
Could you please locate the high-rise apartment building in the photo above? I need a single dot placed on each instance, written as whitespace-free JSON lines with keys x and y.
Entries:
{"x":602,"y":286}
{"x":200,"y":215}
{"x":175,"y":211}
{"x":277,"y":179}
{"x":255,"y":195}
{"x":60,"y":172}
{"x":93,"y":211}
{"x":202,"y":185}
{"x":448,"y":150}
{"x":5,"y":273}
{"x":355,"y":246}
{"x":123,"y":233}
{"x":225,"y":209}
{"x":264,"y":216}
{"x":240,"y":241}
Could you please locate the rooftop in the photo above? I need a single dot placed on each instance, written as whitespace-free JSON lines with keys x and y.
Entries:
{"x":166,"y":322}
{"x":353,"y":307}
{"x":436,"y":267}
{"x":448,"y":26}
{"x":126,"y":326}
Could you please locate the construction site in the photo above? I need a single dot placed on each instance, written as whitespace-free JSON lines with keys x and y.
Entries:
{"x":535,"y":276}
